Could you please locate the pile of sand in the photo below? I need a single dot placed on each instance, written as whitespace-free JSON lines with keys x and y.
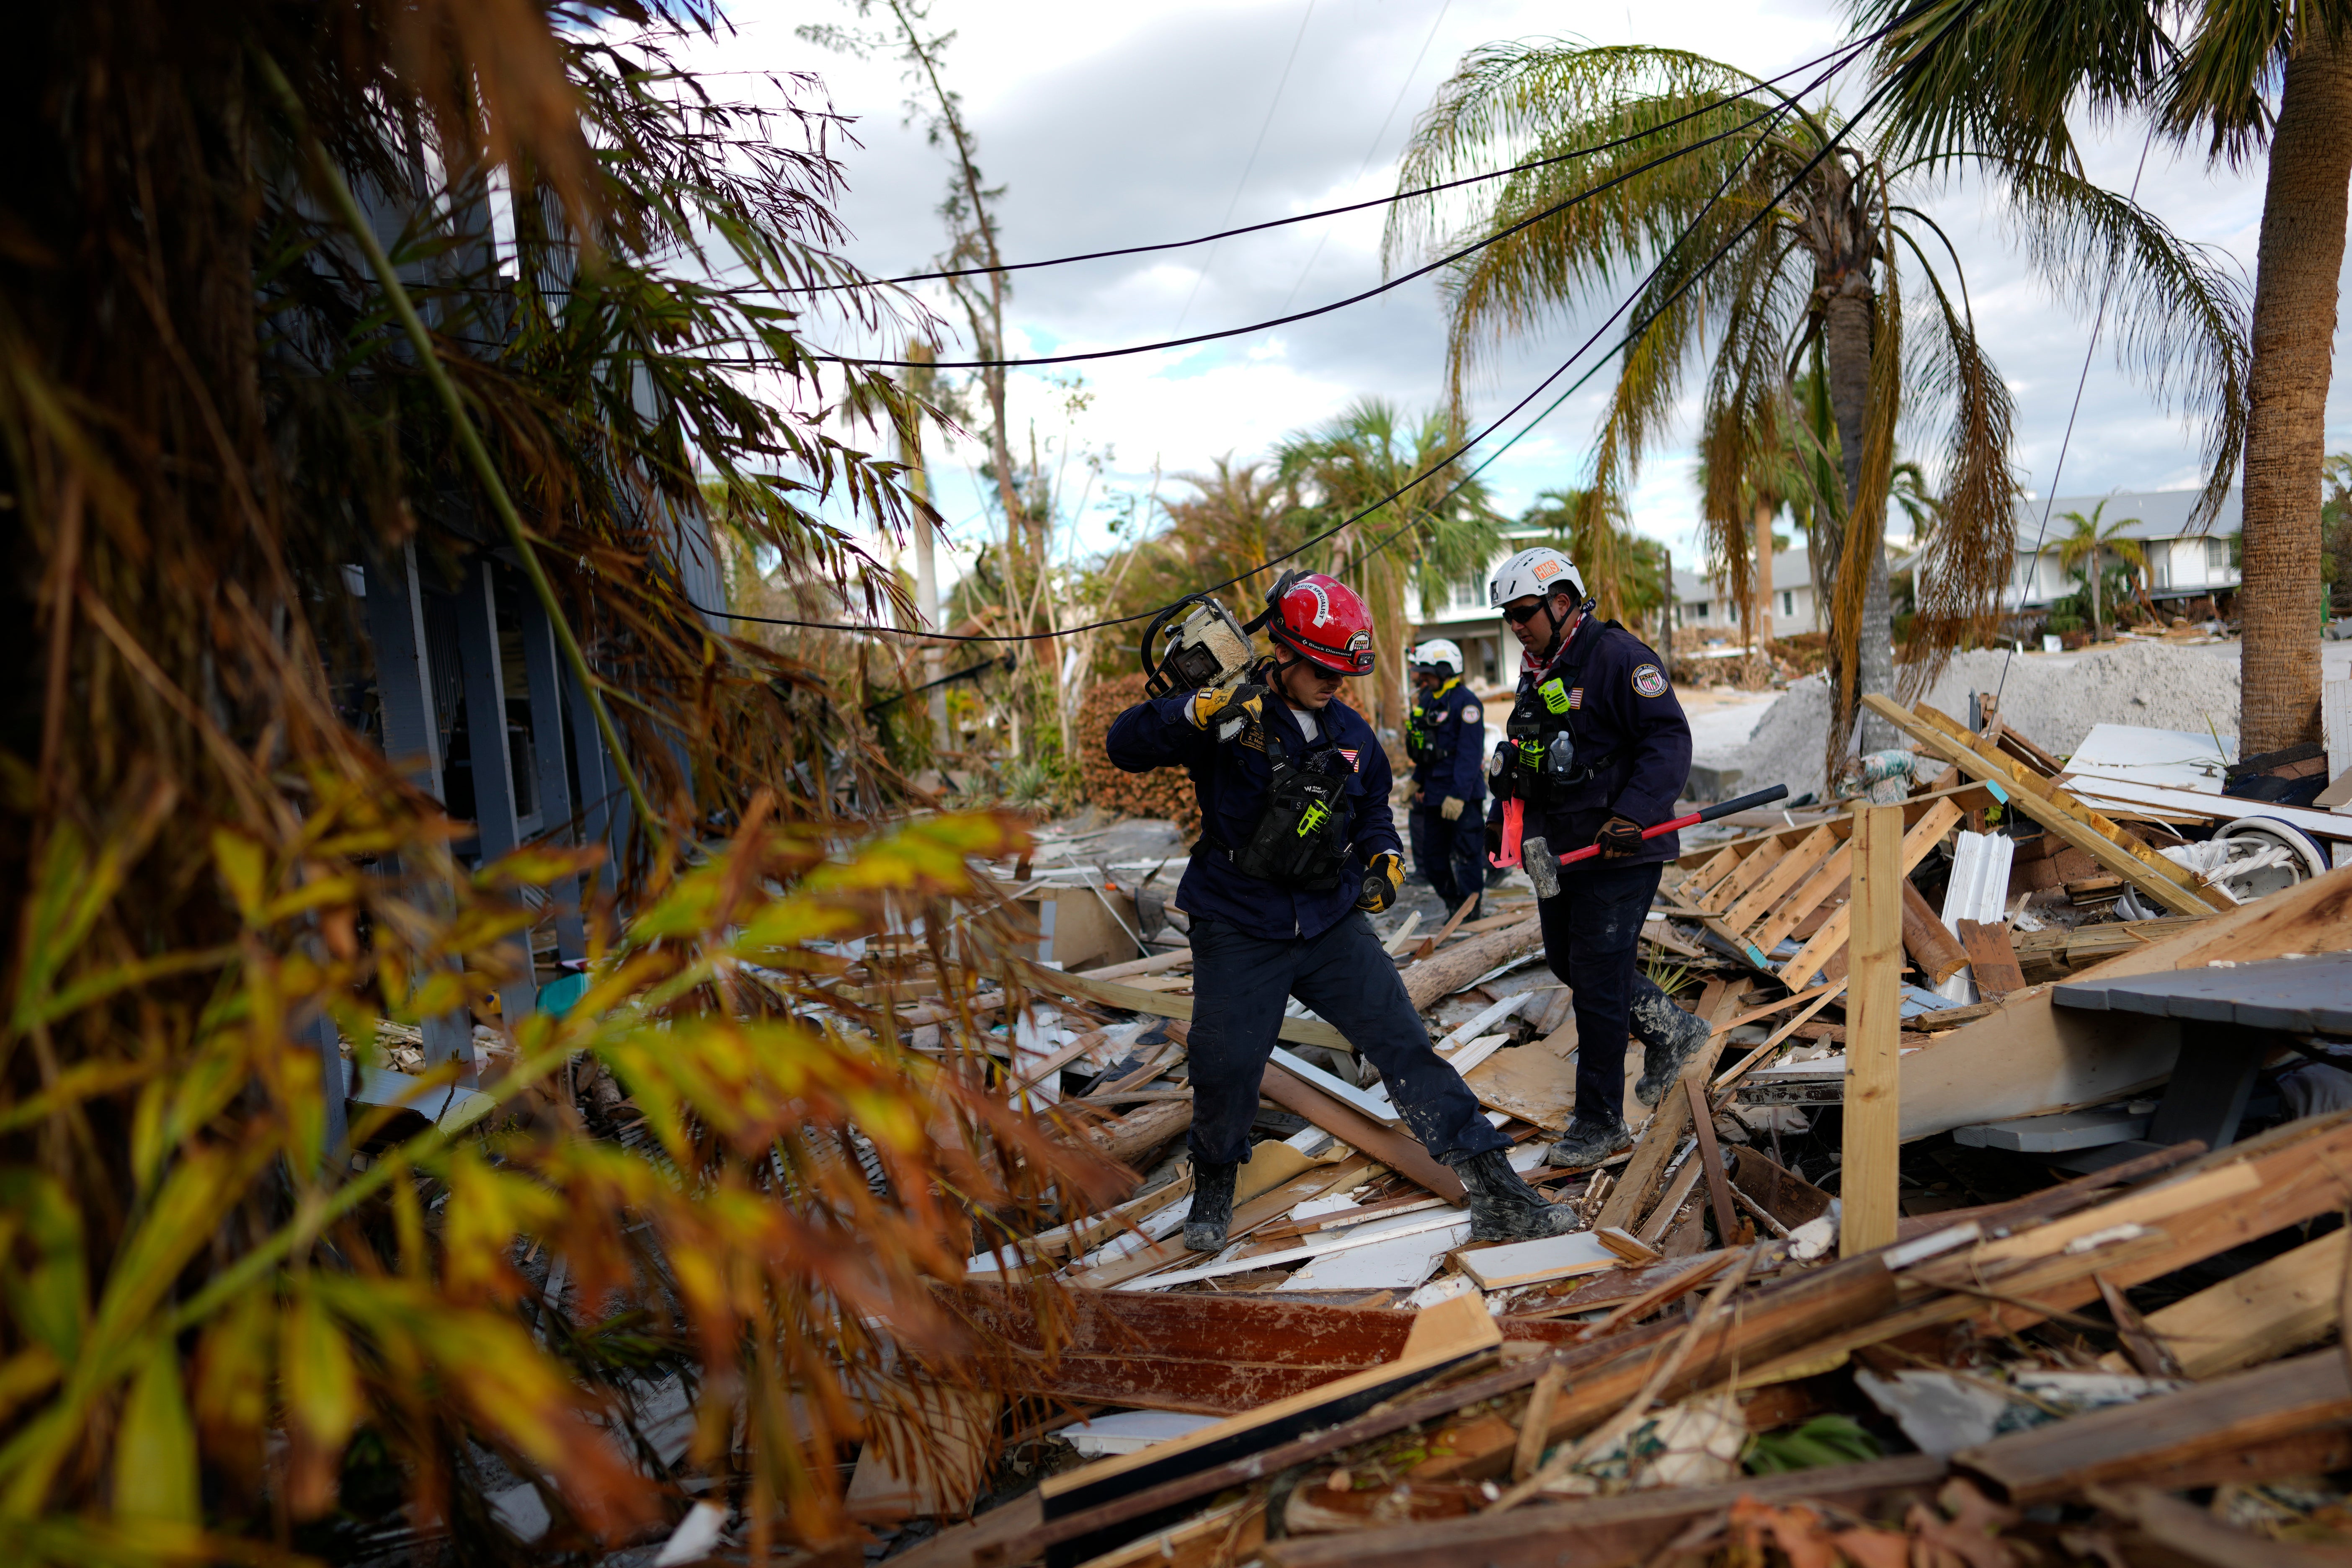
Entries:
{"x":2053,"y":698}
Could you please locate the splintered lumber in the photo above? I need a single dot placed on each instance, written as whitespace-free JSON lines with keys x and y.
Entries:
{"x":2291,"y":1301}
{"x":1826,"y":943}
{"x":2182,"y":1532}
{"x":1158,"y":1004}
{"x":2055,"y":954}
{"x":1718,"y":1187}
{"x":1925,"y":938}
{"x":2055,"y":808}
{"x":2168,"y":1434}
{"x":1607,"y":1532}
{"x":2031,"y":1057}
{"x":1258,"y":1202}
{"x":1400,"y":1151}
{"x":1786,"y":1197}
{"x":1174,"y":958}
{"x":1868,"y":1179}
{"x":1127,"y":1139}
{"x":1451,"y":969}
{"x":1446,"y":1335}
{"x":1990,"y":958}
{"x":1432,"y":943}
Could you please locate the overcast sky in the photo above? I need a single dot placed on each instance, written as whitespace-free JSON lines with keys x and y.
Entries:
{"x":1112,"y":125}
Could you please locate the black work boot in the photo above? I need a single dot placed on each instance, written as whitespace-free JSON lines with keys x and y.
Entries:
{"x":1588,"y":1144}
{"x":1671,"y":1036}
{"x":1502,"y":1207}
{"x":1212,"y":1206}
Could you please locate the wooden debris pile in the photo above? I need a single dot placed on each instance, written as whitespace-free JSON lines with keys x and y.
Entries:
{"x":2061,"y":1335}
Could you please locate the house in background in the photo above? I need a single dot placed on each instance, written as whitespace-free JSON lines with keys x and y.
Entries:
{"x":2180,"y":564}
{"x":1704,"y":607}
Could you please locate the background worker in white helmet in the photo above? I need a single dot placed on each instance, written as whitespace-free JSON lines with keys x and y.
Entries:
{"x":1445,"y":734}
{"x":1596,"y":749}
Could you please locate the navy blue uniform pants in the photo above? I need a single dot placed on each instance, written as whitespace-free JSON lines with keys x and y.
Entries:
{"x":1455,"y":857}
{"x":1239,"y":984}
{"x":1592,"y":932}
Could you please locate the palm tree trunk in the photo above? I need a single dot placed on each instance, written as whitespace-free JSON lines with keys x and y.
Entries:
{"x":2300,"y":257}
{"x":1845,"y":338}
{"x":1762,"y":524}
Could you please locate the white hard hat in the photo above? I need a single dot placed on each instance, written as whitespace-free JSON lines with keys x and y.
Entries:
{"x":1541,"y":571}
{"x":1438,"y":650}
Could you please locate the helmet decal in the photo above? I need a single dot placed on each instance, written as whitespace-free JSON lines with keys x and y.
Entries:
{"x":1322,"y":602}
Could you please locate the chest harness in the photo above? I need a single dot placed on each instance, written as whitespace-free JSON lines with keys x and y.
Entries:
{"x":1538,"y":758}
{"x":1300,"y":841}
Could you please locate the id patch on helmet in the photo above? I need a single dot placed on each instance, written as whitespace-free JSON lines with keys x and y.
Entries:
{"x":1648,"y":681}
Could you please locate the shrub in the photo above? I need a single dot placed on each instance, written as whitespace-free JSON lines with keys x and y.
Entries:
{"x":1163,"y":792}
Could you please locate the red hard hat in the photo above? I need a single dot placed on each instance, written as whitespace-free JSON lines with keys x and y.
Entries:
{"x":1321,"y":619}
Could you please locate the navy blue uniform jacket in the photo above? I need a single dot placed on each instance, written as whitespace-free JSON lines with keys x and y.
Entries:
{"x":1621,"y":703}
{"x":1231,"y":781}
{"x":1455,"y":763}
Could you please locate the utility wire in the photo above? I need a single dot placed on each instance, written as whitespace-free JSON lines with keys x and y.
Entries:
{"x":1845,"y":49}
{"x":1553,"y":211}
{"x":1631,"y":337}
{"x":2050,"y":497}
{"x":1201,"y":275}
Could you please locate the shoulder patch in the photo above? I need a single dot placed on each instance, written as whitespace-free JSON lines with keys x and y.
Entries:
{"x":1350,"y":752}
{"x":1648,"y":681}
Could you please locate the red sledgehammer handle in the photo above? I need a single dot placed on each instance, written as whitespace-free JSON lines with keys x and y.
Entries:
{"x":1723,"y":808}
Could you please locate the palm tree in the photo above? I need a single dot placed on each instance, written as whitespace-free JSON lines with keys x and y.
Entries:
{"x":2088,"y":545}
{"x":1826,"y":267}
{"x":1449,"y":529}
{"x":2240,"y":74}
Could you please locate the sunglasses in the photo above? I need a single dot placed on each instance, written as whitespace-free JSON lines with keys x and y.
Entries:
{"x":1520,"y":614}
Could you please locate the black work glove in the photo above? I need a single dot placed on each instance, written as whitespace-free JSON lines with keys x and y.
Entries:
{"x":1493,"y":842}
{"x":1618,"y":836}
{"x":1382,"y":880}
{"x":1224,"y":711}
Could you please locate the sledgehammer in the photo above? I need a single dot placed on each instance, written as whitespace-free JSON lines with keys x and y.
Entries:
{"x":1541,"y":865}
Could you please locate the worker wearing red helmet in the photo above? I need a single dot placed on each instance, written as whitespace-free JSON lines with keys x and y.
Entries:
{"x":1297,"y":846}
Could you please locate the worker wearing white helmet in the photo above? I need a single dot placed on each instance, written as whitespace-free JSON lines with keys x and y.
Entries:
{"x":1596,"y":750}
{"x":1446,"y":735}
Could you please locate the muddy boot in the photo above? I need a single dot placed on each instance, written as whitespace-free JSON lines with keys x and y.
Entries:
{"x":1212,"y":1206}
{"x":1670,"y":1038}
{"x":1502,"y":1207}
{"x":1587,"y":1143}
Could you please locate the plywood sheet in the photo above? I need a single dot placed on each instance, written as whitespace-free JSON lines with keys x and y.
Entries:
{"x":1528,"y":1082}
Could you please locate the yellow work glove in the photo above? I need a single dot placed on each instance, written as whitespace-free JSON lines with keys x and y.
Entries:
{"x":1451,"y":810}
{"x":1226,"y":711}
{"x":1382,"y":880}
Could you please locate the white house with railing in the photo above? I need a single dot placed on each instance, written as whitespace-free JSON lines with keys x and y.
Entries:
{"x":2182,"y":565}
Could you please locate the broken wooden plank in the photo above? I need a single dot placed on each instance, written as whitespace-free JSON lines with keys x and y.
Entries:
{"x":1868,"y":1179}
{"x":2127,"y":1442}
{"x":1159,"y":1005}
{"x":1718,"y":1187}
{"x":1991,"y":960}
{"x":1453,"y":968}
{"x":2281,"y":1305}
{"x":2056,"y":809}
{"x":1931,"y":945}
{"x":926,"y":1462}
{"x":1660,"y":1137}
{"x":1924,"y":834}
{"x":1783,"y":878}
{"x":1398,"y":1151}
{"x":1432,"y":943}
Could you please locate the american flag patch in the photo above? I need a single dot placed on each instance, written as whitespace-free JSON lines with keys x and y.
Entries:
{"x":1576,"y":697}
{"x":1350,"y":752}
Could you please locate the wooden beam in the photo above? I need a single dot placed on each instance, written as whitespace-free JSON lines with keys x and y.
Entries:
{"x":1923,"y":837}
{"x":1932,"y":946}
{"x":2056,"y":809}
{"x":2282,"y":1305}
{"x":1868,"y":1178}
{"x":1629,"y":1200}
{"x":1718,"y":1186}
{"x":1398,"y":1151}
{"x":1990,"y":958}
{"x":1160,"y":1004}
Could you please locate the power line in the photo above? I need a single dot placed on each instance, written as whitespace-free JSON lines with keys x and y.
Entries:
{"x":1373,"y":293}
{"x":1201,"y":276}
{"x":1763,"y":210}
{"x":1845,"y":49}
